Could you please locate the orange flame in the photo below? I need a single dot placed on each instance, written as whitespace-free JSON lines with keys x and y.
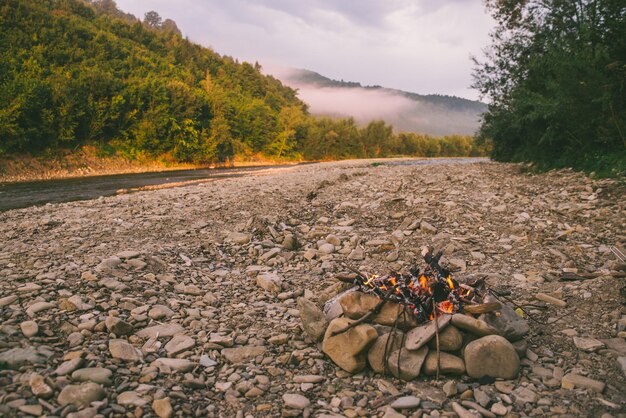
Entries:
{"x":446,"y":307}
{"x":450,"y":282}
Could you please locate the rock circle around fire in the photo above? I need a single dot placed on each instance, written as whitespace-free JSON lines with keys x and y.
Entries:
{"x":467,"y":345}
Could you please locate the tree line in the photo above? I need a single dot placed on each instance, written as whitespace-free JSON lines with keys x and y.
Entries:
{"x":78,"y":72}
{"x":555,"y":77}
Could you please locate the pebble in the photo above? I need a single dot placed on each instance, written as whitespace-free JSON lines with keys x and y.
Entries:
{"x":163,"y":408}
{"x":130,"y":398}
{"x":572,"y":381}
{"x":93,"y":374}
{"x":296,"y":401}
{"x":406,"y":402}
{"x":29,"y":328}
{"x":81,"y":395}
{"x":121,"y":349}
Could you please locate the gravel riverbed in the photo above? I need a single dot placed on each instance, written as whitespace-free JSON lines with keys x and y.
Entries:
{"x":183,"y":301}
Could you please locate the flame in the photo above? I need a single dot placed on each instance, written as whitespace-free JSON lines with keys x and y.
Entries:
{"x":450,"y":282}
{"x":446,"y":307}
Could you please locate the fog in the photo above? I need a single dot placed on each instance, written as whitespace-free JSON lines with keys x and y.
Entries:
{"x":367,"y":104}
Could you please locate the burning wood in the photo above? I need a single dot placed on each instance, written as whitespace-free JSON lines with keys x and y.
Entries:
{"x":425,"y":293}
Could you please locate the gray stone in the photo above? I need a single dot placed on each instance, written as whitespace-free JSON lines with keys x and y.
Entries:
{"x":450,"y":339}
{"x":572,"y":381}
{"x":507,"y":322}
{"x":238,"y":238}
{"x":382,"y":346}
{"x":419,"y":336}
{"x":448,"y":364}
{"x":621,"y":361}
{"x":588,"y":344}
{"x":93,"y":374}
{"x":37,"y":307}
{"x":296,"y":401}
{"x":163,"y":330}
{"x":242,"y":354}
{"x":163,"y":408}
{"x":81,"y":395}
{"x":8,"y":300}
{"x":491,"y":356}
{"x":270,"y":282}
{"x":313,"y":320}
{"x":160,"y":312}
{"x":178,"y":344}
{"x":462,"y":412}
{"x":122,"y":350}
{"x":68,"y":367}
{"x":523,"y":395}
{"x":171,"y":365}
{"x":117,"y":326}
{"x":29,"y":328}
{"x":348,"y":349}
{"x":130,"y":398}
{"x":473,"y":325}
{"x":16,"y":357}
{"x":39,"y":387}
{"x":406,"y":402}
{"x":410,"y":362}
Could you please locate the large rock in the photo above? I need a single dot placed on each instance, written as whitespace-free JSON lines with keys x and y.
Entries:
{"x":448,"y":364}
{"x":16,"y":357}
{"x":81,"y":395}
{"x":117,"y":326}
{"x":450,"y":339}
{"x":163,"y":330}
{"x":419,"y":336}
{"x":384,"y":345}
{"x":313,"y":320}
{"x":122,"y":350}
{"x":270,"y":282}
{"x":507,"y":322}
{"x":473,"y":325}
{"x":349,"y":349}
{"x":407,"y":364}
{"x":491,"y":356}
{"x":178,"y":344}
{"x":242,"y":354}
{"x":357,"y":304}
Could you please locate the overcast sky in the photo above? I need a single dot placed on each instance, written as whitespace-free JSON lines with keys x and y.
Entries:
{"x":422,"y":46}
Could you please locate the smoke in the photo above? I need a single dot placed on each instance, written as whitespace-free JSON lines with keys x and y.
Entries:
{"x":367,"y":104}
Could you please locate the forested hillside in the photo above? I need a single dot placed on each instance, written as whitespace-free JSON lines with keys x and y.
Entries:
{"x":75,"y":73}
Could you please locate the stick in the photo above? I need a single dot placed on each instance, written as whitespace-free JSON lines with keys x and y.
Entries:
{"x":437,"y":336}
{"x":483,"y":308}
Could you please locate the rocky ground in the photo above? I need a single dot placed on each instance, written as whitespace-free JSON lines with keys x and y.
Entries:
{"x":183,"y":302}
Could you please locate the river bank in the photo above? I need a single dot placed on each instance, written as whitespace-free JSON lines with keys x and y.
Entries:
{"x":218,"y":267}
{"x":87,"y":162}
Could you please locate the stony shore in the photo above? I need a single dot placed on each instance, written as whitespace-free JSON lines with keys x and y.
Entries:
{"x":183,"y":301}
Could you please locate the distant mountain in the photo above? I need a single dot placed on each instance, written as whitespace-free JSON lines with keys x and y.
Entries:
{"x":432,"y":114}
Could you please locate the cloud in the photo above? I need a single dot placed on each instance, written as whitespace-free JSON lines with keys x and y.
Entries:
{"x":368,"y":104}
{"x":414,"y":45}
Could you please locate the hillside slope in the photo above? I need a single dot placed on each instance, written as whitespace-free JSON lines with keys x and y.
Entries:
{"x":75,"y":73}
{"x":408,"y":112}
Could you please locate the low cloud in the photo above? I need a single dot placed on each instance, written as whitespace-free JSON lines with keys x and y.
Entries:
{"x":367,"y":104}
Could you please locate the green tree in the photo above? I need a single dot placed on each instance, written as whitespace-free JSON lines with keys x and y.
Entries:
{"x":554,"y":76}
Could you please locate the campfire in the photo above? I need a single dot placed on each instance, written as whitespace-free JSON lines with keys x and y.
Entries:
{"x":426,"y":293}
{"x":422,"y":322}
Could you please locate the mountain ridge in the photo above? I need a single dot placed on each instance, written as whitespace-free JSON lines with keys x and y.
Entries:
{"x":462,"y":115}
